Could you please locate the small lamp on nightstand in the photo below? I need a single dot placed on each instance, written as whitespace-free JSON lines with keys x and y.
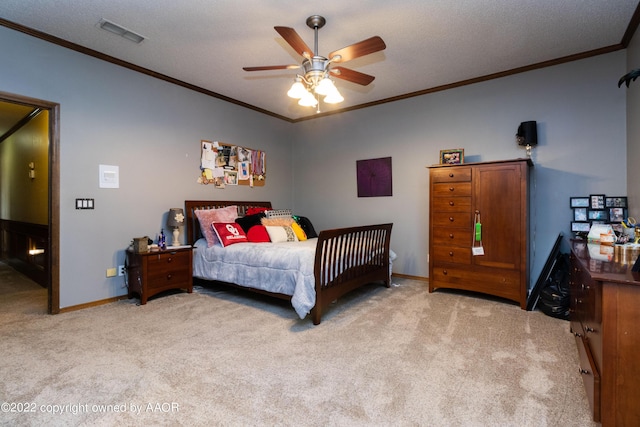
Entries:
{"x":175,"y":221}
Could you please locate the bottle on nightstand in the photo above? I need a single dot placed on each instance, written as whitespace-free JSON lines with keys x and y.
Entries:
{"x":162,"y":243}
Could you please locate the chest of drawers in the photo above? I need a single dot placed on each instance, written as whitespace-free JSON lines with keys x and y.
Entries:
{"x":497,"y":194}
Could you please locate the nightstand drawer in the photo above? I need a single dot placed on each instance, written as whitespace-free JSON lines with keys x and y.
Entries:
{"x":166,"y":277}
{"x":170,"y":259}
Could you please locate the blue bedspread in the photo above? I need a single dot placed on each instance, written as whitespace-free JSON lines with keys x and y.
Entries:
{"x":285,"y":268}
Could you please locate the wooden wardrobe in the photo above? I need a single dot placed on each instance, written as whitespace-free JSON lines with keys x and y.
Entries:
{"x":496,"y":195}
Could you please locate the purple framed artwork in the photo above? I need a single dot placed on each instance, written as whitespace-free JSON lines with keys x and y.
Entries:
{"x":374,"y":177}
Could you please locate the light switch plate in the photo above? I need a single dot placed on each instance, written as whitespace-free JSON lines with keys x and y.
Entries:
{"x":109,"y":176}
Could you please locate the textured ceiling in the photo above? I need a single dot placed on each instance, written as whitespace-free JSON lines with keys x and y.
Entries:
{"x":429,"y":43}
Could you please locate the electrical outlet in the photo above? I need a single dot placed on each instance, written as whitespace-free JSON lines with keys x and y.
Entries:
{"x":121,"y":270}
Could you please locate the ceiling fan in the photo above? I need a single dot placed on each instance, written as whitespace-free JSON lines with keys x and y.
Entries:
{"x":317,"y":69}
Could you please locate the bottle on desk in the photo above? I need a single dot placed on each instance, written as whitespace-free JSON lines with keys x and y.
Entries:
{"x":162,"y":243}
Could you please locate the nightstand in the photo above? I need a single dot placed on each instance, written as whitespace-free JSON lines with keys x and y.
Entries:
{"x":150,"y":273}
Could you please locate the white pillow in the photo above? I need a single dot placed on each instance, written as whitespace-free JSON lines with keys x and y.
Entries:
{"x":278,"y":233}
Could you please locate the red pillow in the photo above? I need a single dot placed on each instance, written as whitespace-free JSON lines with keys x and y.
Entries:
{"x":256,"y":210}
{"x":258,"y":234}
{"x":229,"y":233}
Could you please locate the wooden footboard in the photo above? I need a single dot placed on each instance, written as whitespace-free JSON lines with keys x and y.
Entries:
{"x":345,"y":259}
{"x":348,"y":258}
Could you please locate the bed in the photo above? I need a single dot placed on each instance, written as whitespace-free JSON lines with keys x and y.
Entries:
{"x":311,"y":273}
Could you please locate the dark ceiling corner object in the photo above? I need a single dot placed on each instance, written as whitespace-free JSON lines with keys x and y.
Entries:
{"x":629,"y":77}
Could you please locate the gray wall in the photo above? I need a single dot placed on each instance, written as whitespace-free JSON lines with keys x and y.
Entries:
{"x":582,"y":147}
{"x":152,"y":131}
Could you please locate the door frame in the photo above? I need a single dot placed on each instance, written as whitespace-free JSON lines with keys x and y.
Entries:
{"x":53,"y":275}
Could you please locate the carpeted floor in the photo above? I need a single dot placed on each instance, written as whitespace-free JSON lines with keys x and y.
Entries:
{"x":20,"y":297}
{"x":389,"y":357}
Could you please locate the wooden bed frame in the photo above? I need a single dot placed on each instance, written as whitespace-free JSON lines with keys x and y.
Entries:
{"x":366,"y":260}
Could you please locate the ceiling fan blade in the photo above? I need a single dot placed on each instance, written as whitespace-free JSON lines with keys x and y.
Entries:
{"x":352,"y":75}
{"x":294,"y":40}
{"x":365,"y":47}
{"x":271,"y":67}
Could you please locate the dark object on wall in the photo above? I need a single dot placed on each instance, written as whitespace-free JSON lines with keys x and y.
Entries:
{"x":544,"y":274}
{"x":527,"y":134}
{"x":374,"y":177}
{"x":629,"y":77}
{"x":554,"y":297}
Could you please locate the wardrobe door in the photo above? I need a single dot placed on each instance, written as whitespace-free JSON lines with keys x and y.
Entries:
{"x":499,"y":200}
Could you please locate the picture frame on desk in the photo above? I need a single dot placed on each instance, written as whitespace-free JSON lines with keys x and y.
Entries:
{"x":579,"y":214}
{"x":580,"y":249}
{"x":617,"y":214}
{"x":579,"y":202}
{"x":616,"y":202}
{"x":597,"y":201}
{"x":598,"y":215}
{"x":453,"y":156}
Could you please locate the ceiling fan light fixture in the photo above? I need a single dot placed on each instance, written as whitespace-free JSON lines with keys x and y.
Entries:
{"x":308,"y":100}
{"x":297,"y":89}
{"x":325,"y":87}
{"x":333,"y":97}
{"x":314,"y":82}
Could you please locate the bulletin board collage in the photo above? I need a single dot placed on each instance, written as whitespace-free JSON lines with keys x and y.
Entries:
{"x":223,"y":165}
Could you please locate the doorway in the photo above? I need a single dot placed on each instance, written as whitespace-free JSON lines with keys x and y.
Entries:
{"x":52,"y":270}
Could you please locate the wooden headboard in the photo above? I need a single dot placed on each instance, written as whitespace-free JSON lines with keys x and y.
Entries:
{"x":193,"y":226}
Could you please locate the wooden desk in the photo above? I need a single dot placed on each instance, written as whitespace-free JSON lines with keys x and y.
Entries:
{"x":605,"y":319}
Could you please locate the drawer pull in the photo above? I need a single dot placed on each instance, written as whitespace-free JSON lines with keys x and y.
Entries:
{"x":451,"y":218}
{"x":450,"y":174}
{"x":577,"y":334}
{"x":451,"y":235}
{"x":444,"y":272}
{"x":451,"y":189}
{"x":451,"y":203}
{"x":451,"y":253}
{"x":169,"y":276}
{"x":589,"y":329}
{"x":583,"y":371}
{"x":169,"y":259}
